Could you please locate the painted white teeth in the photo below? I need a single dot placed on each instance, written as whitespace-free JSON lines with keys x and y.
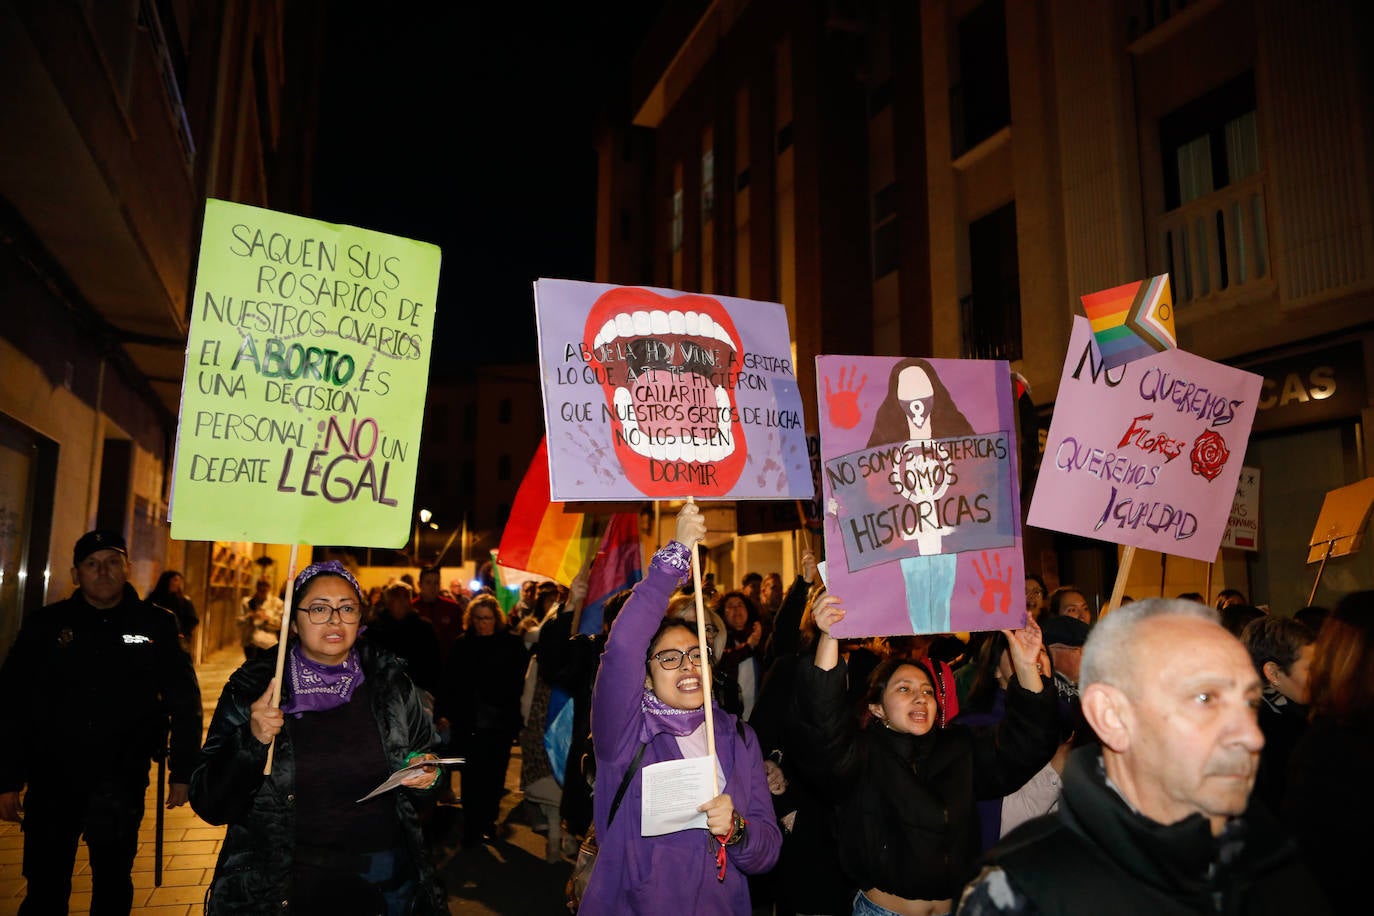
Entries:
{"x":605,"y":335}
{"x":640,"y":444}
{"x":645,"y":323}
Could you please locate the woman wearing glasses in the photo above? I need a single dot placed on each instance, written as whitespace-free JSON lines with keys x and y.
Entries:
{"x":348,"y":718}
{"x":648,"y":707}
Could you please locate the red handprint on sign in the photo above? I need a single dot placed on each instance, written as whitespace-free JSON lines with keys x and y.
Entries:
{"x":844,"y":403}
{"x":996,"y":584}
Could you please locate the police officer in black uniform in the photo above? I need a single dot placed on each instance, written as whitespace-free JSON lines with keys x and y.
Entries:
{"x":85,"y":697}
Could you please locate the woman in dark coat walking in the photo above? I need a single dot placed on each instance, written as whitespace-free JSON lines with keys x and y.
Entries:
{"x":480,"y":697}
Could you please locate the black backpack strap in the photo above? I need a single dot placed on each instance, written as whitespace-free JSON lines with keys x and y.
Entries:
{"x":625,"y":783}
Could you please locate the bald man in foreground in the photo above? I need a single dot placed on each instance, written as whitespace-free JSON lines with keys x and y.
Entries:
{"x":1157,"y":820}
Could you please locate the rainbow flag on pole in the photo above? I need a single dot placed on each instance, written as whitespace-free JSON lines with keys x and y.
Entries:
{"x":1132,"y":320}
{"x":544,"y":537}
{"x":619,"y":564}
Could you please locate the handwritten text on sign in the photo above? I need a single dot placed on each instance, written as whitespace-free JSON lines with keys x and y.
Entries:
{"x":664,"y":394}
{"x":1146,"y":454}
{"x":306,"y":369}
{"x":922,"y":517}
{"x":903,"y":499}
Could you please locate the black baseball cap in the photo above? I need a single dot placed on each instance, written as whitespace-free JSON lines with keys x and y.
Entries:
{"x":1064,"y":631}
{"x":100,"y":539}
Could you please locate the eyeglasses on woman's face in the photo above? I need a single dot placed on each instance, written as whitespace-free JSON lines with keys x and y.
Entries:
{"x":671,"y":659}
{"x":321,"y":613}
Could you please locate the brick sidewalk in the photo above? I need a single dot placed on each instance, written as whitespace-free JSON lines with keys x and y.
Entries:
{"x":190,"y":846}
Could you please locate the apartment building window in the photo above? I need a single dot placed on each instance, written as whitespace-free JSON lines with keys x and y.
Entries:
{"x":469,"y":421}
{"x":1210,"y":143}
{"x":503,"y":411}
{"x":707,"y":279}
{"x":1212,"y":235}
{"x":991,"y":315}
{"x":503,"y":467}
{"x":886,"y":239}
{"x":708,"y":184}
{"x":980,"y":95}
{"x":676,"y":235}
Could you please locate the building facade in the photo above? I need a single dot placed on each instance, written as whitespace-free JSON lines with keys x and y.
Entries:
{"x":948,"y":178}
{"x":120,"y":119}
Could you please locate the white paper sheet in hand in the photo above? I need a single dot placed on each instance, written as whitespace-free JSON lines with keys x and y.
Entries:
{"x":673,"y":790}
{"x":395,"y":779}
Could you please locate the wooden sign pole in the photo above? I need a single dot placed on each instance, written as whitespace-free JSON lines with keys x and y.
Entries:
{"x":705,"y":660}
{"x":288,"y":613}
{"x":1119,"y":589}
{"x":1325,"y":556}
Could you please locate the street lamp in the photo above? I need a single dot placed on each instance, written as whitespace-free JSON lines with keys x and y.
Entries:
{"x":424,"y":516}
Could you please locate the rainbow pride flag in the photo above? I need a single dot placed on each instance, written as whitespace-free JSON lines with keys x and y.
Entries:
{"x":618,"y":565}
{"x":543,"y":537}
{"x":1132,"y":320}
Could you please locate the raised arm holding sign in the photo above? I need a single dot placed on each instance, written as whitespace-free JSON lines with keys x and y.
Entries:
{"x":666,"y":395}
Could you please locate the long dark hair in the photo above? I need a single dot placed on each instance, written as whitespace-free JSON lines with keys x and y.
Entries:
{"x":890,"y":421}
{"x":1343,"y":662}
{"x":877,"y":686}
{"x":164,"y":581}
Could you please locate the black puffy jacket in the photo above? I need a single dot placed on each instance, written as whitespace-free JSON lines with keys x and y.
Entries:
{"x":254,"y":871}
{"x":905,"y":805}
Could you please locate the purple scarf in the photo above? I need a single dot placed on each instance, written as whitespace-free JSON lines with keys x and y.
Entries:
{"x":316,"y":687}
{"x":659,"y":717}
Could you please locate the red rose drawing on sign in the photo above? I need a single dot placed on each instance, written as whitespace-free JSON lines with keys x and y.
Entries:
{"x":1210,"y":454}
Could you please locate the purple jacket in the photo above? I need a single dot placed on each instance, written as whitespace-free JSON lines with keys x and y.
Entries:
{"x":675,"y":872}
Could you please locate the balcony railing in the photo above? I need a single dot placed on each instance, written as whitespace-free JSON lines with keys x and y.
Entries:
{"x":1216,"y":245}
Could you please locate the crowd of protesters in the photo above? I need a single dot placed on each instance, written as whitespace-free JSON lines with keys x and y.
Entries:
{"x":1170,"y":756}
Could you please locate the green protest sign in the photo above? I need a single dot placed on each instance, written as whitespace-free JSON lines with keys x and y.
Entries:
{"x":306,"y":368}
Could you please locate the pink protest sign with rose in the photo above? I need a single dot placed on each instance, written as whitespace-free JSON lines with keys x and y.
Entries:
{"x":1209,"y":454}
{"x":1111,"y":468}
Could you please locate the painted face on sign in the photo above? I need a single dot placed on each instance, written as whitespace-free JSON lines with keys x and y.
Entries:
{"x":916,"y":394}
{"x":668,"y":368}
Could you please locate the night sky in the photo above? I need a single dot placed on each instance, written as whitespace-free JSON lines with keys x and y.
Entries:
{"x":471,"y":126}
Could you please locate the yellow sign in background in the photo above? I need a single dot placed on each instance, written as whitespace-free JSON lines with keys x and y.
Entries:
{"x":306,"y":369}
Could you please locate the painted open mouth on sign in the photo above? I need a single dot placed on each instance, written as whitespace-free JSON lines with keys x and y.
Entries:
{"x":667,"y":367}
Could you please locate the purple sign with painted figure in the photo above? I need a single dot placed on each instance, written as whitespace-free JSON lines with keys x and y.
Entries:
{"x":922,"y":513}
{"x":653,"y":393}
{"x":1146,"y":454}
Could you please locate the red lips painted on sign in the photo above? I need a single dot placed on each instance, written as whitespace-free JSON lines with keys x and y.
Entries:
{"x":668,"y":366}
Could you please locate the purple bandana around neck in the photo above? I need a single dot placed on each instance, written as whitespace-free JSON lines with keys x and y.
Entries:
{"x":659,"y":717}
{"x":316,"y":687}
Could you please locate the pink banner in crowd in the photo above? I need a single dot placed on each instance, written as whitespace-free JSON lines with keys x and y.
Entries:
{"x":1146,"y":454}
{"x":922,"y":518}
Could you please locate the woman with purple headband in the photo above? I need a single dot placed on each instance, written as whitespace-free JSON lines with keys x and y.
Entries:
{"x":349,"y":717}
